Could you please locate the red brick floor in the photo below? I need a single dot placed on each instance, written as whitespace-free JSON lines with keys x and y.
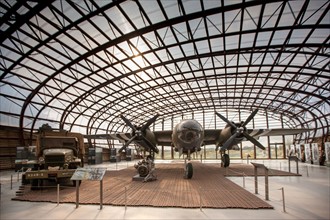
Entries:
{"x":209,"y":188}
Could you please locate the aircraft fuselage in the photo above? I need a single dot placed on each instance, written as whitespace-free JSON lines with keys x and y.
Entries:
{"x":187,"y":136}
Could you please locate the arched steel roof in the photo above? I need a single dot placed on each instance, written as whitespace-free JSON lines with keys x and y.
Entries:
{"x":78,"y":65}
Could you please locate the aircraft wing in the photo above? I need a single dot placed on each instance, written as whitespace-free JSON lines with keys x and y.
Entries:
{"x":276,"y":132}
{"x":122,"y":137}
{"x":163,"y":138}
{"x":211,"y":136}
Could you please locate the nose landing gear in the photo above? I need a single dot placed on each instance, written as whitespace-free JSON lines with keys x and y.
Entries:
{"x":188,"y":169}
{"x":188,"y":172}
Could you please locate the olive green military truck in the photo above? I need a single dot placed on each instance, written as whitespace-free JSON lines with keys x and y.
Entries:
{"x":58,"y":155}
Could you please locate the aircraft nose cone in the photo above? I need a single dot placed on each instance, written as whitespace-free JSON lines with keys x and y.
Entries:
{"x":190,"y":135}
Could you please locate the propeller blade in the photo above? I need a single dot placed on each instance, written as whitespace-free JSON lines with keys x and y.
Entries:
{"x":230,"y":141}
{"x":151,"y":145}
{"x":128,"y":122}
{"x":149,"y":122}
{"x":253,"y":140}
{"x":250,"y":118}
{"x":139,"y":133}
{"x":226,"y":120}
{"x":127,"y":143}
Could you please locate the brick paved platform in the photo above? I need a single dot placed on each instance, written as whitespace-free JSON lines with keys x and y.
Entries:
{"x":208,"y":188}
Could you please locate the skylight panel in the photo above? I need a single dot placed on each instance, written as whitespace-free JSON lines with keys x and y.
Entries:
{"x":71,"y":44}
{"x":197,"y":28}
{"x":181,"y":32}
{"x":152,"y":10}
{"x":271,"y":14}
{"x":11,"y":105}
{"x":65,"y":8}
{"x":191,"y":6}
{"x":151,"y":57}
{"x":203,"y":47}
{"x":119,"y":20}
{"x":188,"y":49}
{"x":279,"y":37}
{"x":126,"y":50}
{"x":251,"y":16}
{"x":318,"y":35}
{"x":171,"y":9}
{"x":314,"y":10}
{"x":263,"y":38}
{"x":216,"y":44}
{"x":232,"y":42}
{"x":232,"y":21}
{"x":133,"y":12}
{"x":162,"y":54}
{"x":151,"y":38}
{"x":12,"y":91}
{"x":214,"y":24}
{"x":299,"y":36}
{"x":247,"y":40}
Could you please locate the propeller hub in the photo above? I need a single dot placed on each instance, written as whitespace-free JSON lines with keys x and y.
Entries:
{"x":138,"y":133}
{"x":240,"y":130}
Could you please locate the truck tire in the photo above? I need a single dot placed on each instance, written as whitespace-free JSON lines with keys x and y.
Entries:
{"x":36,"y":184}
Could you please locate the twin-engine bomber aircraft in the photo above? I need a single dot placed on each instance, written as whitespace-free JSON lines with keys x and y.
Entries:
{"x":188,"y":136}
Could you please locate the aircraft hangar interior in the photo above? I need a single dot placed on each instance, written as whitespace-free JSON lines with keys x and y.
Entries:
{"x":167,"y":109}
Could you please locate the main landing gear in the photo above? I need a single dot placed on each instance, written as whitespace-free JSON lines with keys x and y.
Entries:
{"x":224,"y":159}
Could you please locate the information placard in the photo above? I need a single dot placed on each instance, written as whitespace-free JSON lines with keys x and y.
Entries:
{"x":95,"y":174}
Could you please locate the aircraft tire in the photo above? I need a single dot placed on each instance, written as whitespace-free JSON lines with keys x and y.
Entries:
{"x":189,"y":171}
{"x":225,"y":160}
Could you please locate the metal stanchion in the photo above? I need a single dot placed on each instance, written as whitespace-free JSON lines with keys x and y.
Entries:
{"x":283,"y":199}
{"x":243,"y":180}
{"x":125,"y":198}
{"x":77,"y":194}
{"x":266,"y":185}
{"x":11,"y":181}
{"x":58,"y":194}
{"x":255,"y":180}
{"x":101,"y":194}
{"x":200,"y":198}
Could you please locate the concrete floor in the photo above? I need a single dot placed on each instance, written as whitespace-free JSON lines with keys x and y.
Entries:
{"x":306,"y":197}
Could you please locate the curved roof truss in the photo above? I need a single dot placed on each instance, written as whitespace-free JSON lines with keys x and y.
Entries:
{"x":78,"y":65}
